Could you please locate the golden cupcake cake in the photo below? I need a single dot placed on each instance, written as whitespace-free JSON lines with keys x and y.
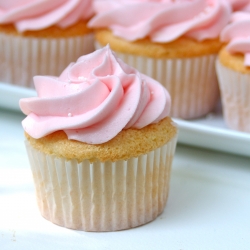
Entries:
{"x":174,"y":42}
{"x":233,"y":68}
{"x":100,"y":143}
{"x":42,"y":37}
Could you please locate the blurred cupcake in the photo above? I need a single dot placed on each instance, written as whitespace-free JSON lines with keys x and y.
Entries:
{"x":100,"y":144}
{"x":174,"y":42}
{"x":233,"y":68}
{"x":42,"y":37}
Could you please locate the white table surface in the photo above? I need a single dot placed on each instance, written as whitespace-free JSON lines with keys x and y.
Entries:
{"x":208,"y":205}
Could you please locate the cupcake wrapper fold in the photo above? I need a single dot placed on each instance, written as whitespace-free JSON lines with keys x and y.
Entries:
{"x":102,"y":196}
{"x":235,"y":97}
{"x":21,"y":58}
{"x":191,"y":82}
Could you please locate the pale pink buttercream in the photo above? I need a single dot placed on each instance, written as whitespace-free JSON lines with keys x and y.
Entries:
{"x":94,"y":99}
{"x":162,"y":21}
{"x":237,"y":35}
{"x":40,"y":14}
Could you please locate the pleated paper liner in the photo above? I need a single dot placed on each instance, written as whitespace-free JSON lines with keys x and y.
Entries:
{"x":235,"y":97}
{"x":21,"y":58}
{"x":102,"y":196}
{"x":191,"y":82}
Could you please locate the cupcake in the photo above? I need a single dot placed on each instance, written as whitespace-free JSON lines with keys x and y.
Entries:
{"x":233,"y":68}
{"x":100,"y":144}
{"x":42,"y":37}
{"x":174,"y":42}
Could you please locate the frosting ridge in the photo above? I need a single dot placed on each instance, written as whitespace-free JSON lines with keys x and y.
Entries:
{"x":239,"y":5}
{"x":94,"y":99}
{"x":162,"y":21}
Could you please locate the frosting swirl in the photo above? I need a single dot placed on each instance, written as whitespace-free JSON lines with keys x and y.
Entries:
{"x":40,"y":14}
{"x":237,"y":35}
{"x":94,"y":99}
{"x":162,"y":20}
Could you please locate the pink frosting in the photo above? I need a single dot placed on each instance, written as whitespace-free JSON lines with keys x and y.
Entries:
{"x":237,"y":35}
{"x":243,"y":5}
{"x":94,"y":99}
{"x":162,"y":20}
{"x":40,"y":14}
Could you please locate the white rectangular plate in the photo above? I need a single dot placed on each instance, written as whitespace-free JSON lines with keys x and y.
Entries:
{"x":209,"y":132}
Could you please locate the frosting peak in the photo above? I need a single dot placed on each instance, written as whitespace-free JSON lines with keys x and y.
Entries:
{"x":40,"y":14}
{"x":94,"y":99}
{"x":162,"y":21}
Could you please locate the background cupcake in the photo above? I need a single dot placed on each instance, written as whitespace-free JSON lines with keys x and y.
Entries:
{"x":42,"y":37}
{"x":100,"y":144}
{"x":233,"y":68}
{"x":175,"y":42}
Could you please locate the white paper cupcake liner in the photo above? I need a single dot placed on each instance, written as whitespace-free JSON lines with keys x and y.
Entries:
{"x":235,"y":96}
{"x":21,"y":58}
{"x":191,"y":82}
{"x":102,"y":196}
